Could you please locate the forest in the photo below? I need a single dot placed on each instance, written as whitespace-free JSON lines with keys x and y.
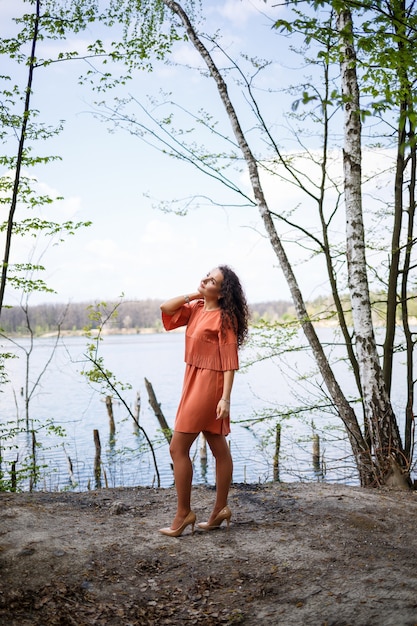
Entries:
{"x":134,"y":316}
{"x":142,"y":314}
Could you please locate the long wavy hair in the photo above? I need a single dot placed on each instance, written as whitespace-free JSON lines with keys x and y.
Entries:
{"x":233,"y":305}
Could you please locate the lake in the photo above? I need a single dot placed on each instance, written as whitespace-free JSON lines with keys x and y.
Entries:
{"x":65,"y":398}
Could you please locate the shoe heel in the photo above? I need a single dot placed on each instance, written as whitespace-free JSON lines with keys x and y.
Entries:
{"x":171,"y":532}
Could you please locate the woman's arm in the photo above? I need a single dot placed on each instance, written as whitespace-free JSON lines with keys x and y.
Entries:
{"x":223,"y":407}
{"x":170,"y":306}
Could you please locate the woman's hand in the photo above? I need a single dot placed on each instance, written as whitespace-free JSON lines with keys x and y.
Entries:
{"x":223,"y":409}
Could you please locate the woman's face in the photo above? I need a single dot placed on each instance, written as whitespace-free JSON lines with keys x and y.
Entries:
{"x":211,"y":285}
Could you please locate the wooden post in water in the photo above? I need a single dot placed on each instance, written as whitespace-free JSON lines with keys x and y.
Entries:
{"x":157,"y":410}
{"x":137,"y":409}
{"x":70,"y":468}
{"x":203,"y":447}
{"x":13,"y":477}
{"x":276,"y":455}
{"x":97,"y":459}
{"x":32,"y":480}
{"x":112,"y":425}
{"x":316,"y":453}
{"x":203,"y":455}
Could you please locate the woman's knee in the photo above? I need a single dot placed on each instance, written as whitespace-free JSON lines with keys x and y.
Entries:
{"x":180,"y":445}
{"x":176,"y":450}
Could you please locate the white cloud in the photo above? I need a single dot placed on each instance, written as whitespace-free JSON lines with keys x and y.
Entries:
{"x":239,"y":12}
{"x":158,"y":233}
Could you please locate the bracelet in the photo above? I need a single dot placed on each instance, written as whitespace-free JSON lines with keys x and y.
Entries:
{"x":187,"y":299}
{"x":224,"y":400}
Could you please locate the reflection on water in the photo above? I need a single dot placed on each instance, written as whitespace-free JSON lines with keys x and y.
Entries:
{"x":66,"y":399}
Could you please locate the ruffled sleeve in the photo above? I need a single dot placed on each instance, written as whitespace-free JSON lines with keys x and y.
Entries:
{"x":228,"y":351}
{"x":178,"y":319}
{"x":229,"y":357}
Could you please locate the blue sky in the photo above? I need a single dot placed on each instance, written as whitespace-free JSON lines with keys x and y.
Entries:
{"x":117,"y":181}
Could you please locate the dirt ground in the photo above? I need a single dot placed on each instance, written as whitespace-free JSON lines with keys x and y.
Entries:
{"x":295,"y":554}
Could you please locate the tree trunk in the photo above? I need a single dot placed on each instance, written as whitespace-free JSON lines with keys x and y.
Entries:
{"x":407,"y":157}
{"x":16,"y":184}
{"x":408,"y":333}
{"x":385,"y":437}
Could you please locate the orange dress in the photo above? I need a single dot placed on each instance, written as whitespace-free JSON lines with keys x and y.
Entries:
{"x":208,"y":353}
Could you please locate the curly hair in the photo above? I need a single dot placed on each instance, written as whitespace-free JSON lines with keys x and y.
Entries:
{"x":233,"y":305}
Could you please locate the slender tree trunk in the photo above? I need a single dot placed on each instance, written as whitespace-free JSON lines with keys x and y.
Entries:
{"x":407,"y":158}
{"x":26,"y":112}
{"x":386,"y":442}
{"x":326,"y":243}
{"x":392,"y":301}
{"x":399,"y":20}
{"x":408,"y":333}
{"x":360,"y":450}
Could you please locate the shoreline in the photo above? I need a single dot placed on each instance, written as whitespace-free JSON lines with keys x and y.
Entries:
{"x":157,"y":330}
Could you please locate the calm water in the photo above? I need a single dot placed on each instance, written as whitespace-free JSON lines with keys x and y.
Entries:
{"x":65,"y":398}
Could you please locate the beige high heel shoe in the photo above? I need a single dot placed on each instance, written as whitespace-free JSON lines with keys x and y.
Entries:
{"x":225,"y":514}
{"x":176,"y":532}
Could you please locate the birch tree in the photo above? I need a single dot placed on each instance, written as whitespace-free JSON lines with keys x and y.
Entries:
{"x":383,"y":428}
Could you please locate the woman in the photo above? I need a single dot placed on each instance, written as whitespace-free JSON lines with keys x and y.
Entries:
{"x":216,"y":317}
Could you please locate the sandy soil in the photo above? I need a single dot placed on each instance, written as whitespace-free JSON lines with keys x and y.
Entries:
{"x":295,"y":554}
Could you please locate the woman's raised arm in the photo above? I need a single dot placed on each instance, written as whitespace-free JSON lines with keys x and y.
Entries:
{"x":173,"y":304}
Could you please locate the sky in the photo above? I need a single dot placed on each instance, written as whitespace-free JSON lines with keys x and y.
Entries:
{"x":120,"y":183}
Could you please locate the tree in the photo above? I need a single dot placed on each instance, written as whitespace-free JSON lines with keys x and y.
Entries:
{"x":385,"y":439}
{"x":19,"y":192}
{"x":377,"y":447}
{"x":49,"y":20}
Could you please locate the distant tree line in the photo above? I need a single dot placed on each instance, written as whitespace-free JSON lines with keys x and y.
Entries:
{"x":131,"y":315}
{"x":145,"y":314}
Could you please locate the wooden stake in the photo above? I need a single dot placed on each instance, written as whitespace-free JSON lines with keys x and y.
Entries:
{"x":97,"y":459}
{"x":13,"y":486}
{"x":277,"y":449}
{"x":157,"y":410}
{"x":137,"y":409}
{"x":316,"y":453}
{"x":203,"y":447}
{"x":70,"y":468}
{"x":112,"y":425}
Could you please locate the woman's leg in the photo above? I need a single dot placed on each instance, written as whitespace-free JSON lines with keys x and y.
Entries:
{"x":183,"y":473}
{"x":224,"y":470}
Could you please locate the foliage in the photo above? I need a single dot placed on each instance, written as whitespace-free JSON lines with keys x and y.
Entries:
{"x":99,"y":375}
{"x":20,"y":447}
